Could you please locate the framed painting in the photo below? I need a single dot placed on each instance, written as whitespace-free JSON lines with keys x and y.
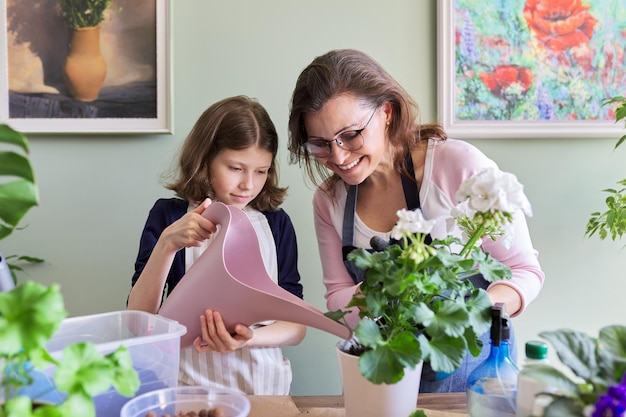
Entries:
{"x":80,"y":69}
{"x":530,"y":68}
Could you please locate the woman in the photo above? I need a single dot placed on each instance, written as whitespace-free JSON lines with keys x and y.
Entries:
{"x":354,"y":128}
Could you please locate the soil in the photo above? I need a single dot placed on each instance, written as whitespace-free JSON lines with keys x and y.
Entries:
{"x":212,"y":412}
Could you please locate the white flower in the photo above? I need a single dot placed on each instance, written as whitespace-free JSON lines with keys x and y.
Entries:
{"x":409,"y":222}
{"x":492,"y":189}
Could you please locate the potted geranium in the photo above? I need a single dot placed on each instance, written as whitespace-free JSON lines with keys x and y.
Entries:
{"x":418,"y":302}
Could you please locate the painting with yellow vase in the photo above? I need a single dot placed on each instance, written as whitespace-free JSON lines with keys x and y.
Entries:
{"x":93,"y":66}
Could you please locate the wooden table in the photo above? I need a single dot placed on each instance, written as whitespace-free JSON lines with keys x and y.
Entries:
{"x":435,"y":405}
{"x":454,"y":402}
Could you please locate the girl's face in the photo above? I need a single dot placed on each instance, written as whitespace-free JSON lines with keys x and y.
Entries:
{"x":342,"y":116}
{"x":238,"y":176}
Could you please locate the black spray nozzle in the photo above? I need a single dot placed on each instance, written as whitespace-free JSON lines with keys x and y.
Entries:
{"x":500,"y":324}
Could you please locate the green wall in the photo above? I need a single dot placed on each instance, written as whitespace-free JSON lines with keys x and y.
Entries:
{"x":96,"y":190}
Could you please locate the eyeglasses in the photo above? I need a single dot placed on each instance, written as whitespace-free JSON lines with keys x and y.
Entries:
{"x":350,"y":140}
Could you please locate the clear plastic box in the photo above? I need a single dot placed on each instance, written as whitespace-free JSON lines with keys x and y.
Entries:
{"x":152,"y":340}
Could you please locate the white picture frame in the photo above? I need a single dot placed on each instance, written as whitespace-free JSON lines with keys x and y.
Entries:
{"x":141,"y":77}
{"x":454,"y":77}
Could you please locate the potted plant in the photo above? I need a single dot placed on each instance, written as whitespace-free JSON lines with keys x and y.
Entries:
{"x":612,"y":222}
{"x":17,"y":196}
{"x":596,"y":382}
{"x":29,"y":316}
{"x":30,"y":313}
{"x":418,"y":302}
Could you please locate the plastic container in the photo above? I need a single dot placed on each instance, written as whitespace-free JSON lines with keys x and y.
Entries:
{"x":152,"y":340}
{"x":492,"y":386}
{"x":172,"y":401}
{"x":527,"y":387}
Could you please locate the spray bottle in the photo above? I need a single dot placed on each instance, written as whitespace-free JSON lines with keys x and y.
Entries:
{"x":492,"y":386}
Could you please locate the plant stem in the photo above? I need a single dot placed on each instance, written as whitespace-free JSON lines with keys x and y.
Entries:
{"x":472,"y":241}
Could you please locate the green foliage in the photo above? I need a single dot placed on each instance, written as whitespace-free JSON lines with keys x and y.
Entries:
{"x":597,"y":363}
{"x":18,"y":194}
{"x":84,"y":13}
{"x":611,"y":222}
{"x":422,"y":310}
{"x":29,"y":316}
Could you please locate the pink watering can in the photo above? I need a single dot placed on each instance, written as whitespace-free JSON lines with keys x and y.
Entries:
{"x":230,"y":277}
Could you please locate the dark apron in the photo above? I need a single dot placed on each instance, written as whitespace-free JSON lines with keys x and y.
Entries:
{"x":431,"y":381}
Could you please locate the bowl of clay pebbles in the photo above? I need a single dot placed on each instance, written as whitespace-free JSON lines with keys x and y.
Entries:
{"x":188,"y":401}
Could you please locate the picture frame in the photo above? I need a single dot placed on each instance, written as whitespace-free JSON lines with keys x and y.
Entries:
{"x":505,"y":72}
{"x":133,"y":98}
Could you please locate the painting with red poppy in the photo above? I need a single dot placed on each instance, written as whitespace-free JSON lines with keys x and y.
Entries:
{"x":530,"y":68}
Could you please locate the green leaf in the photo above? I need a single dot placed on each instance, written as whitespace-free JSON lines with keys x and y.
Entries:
{"x":16,"y":198}
{"x":446,"y":353}
{"x":575,"y":349}
{"x":449,"y":318}
{"x":368,"y":333}
{"x":29,"y":315}
{"x":125,"y":380}
{"x":386,"y":364}
{"x":552,"y":377}
{"x":479,"y":305}
{"x":13,"y":137}
{"x":563,"y":407}
{"x":17,"y":165}
{"x":20,"y":406}
{"x":83,"y":369}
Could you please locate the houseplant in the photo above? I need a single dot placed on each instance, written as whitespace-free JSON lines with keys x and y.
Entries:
{"x":596,"y":383}
{"x":417,"y":302}
{"x":612,"y":221}
{"x":29,"y":316}
{"x":30,"y":313}
{"x":18,"y":194}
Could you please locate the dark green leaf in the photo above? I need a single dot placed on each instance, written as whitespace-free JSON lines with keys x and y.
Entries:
{"x":575,"y":349}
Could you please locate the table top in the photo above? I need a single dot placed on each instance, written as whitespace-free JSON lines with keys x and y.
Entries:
{"x":453,"y":402}
{"x":434,"y":405}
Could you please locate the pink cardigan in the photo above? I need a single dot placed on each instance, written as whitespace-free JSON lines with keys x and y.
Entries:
{"x":455,"y":161}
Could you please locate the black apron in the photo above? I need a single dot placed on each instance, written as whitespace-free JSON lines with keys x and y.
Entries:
{"x":412,"y":197}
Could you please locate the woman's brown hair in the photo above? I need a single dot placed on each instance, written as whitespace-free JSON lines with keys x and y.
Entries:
{"x":233,"y":123}
{"x":348,"y":71}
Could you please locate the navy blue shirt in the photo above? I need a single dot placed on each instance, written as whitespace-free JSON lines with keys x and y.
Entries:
{"x":167,"y":211}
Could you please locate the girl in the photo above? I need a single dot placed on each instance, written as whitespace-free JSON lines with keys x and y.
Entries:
{"x":229,"y":156}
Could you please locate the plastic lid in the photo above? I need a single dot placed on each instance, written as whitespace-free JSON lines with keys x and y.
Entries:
{"x":536,"y":350}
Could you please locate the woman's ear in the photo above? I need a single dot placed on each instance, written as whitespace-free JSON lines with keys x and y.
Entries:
{"x":388,"y":110}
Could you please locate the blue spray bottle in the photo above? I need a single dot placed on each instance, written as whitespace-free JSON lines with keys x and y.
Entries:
{"x":492,"y":386}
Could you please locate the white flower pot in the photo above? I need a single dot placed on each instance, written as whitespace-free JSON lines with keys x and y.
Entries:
{"x":363,"y":398}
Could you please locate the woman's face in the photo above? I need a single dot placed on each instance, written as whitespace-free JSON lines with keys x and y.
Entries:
{"x":340,"y":117}
{"x":238,"y":176}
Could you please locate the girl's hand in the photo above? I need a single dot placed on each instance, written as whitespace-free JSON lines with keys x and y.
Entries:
{"x":190,"y":230}
{"x":215,"y":337}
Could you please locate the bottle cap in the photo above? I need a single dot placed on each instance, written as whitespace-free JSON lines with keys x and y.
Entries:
{"x":536,"y":350}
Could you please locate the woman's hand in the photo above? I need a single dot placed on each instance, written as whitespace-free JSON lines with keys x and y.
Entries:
{"x":190,"y":230}
{"x":215,"y":337}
